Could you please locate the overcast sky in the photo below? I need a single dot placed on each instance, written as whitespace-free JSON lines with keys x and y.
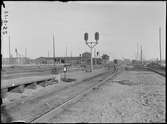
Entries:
{"x":120,"y":24}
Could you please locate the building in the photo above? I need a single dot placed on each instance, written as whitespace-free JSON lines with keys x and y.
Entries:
{"x":44,"y":60}
{"x":105,"y":58}
{"x":127,"y":61}
{"x":58,"y":60}
{"x":86,"y":59}
{"x":82,"y":59}
{"x":15,"y":60}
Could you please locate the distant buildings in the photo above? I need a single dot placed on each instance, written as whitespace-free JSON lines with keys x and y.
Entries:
{"x":84,"y":58}
{"x":15,"y":60}
{"x":58,"y":60}
{"x":105,"y":58}
{"x":127,"y":61}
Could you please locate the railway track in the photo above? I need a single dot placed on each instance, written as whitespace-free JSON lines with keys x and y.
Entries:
{"x":30,"y":72}
{"x":14,"y":108}
{"x":31,"y":109}
{"x":93,"y":82}
{"x":44,"y":116}
{"x":156,"y":71}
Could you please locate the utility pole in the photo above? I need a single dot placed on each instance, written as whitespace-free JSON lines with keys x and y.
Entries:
{"x":137,"y":51}
{"x":71,"y":56}
{"x":66,"y":54}
{"x":80,"y":58}
{"x":160,"y":43}
{"x":141,"y":55}
{"x":9,"y":49}
{"x":53,"y":50}
{"x":66,"y":51}
{"x":16,"y":55}
{"x":25,"y":52}
{"x":26,"y":56}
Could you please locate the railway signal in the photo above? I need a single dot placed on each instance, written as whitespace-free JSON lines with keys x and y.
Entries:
{"x":91,"y":45}
{"x":86,"y":36}
{"x":97,"y":36}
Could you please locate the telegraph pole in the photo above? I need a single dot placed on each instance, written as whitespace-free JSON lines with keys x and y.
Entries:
{"x":137,"y":51}
{"x":71,"y":56}
{"x":141,"y":55}
{"x":26,"y":52}
{"x":25,"y":60}
{"x":9,"y":49}
{"x":53,"y":50}
{"x":66,"y":53}
{"x":160,"y":43}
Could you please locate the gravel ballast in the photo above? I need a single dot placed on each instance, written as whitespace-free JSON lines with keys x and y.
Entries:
{"x":130,"y":97}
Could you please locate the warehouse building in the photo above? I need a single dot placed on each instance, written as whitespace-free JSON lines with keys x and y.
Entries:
{"x":85,"y":58}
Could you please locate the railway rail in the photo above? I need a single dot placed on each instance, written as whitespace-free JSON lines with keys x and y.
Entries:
{"x":156,"y":71}
{"x":92,"y":83}
{"x":17,"y":73}
{"x":19,"y":85}
{"x":43,"y":117}
{"x":65,"y":95}
{"x":146,"y":68}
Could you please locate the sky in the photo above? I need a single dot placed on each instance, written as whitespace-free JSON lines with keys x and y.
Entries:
{"x":121,"y":25}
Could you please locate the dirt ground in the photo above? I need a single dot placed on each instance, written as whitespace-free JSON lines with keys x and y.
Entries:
{"x":130,"y":97}
{"x":24,"y":106}
{"x":78,"y":75}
